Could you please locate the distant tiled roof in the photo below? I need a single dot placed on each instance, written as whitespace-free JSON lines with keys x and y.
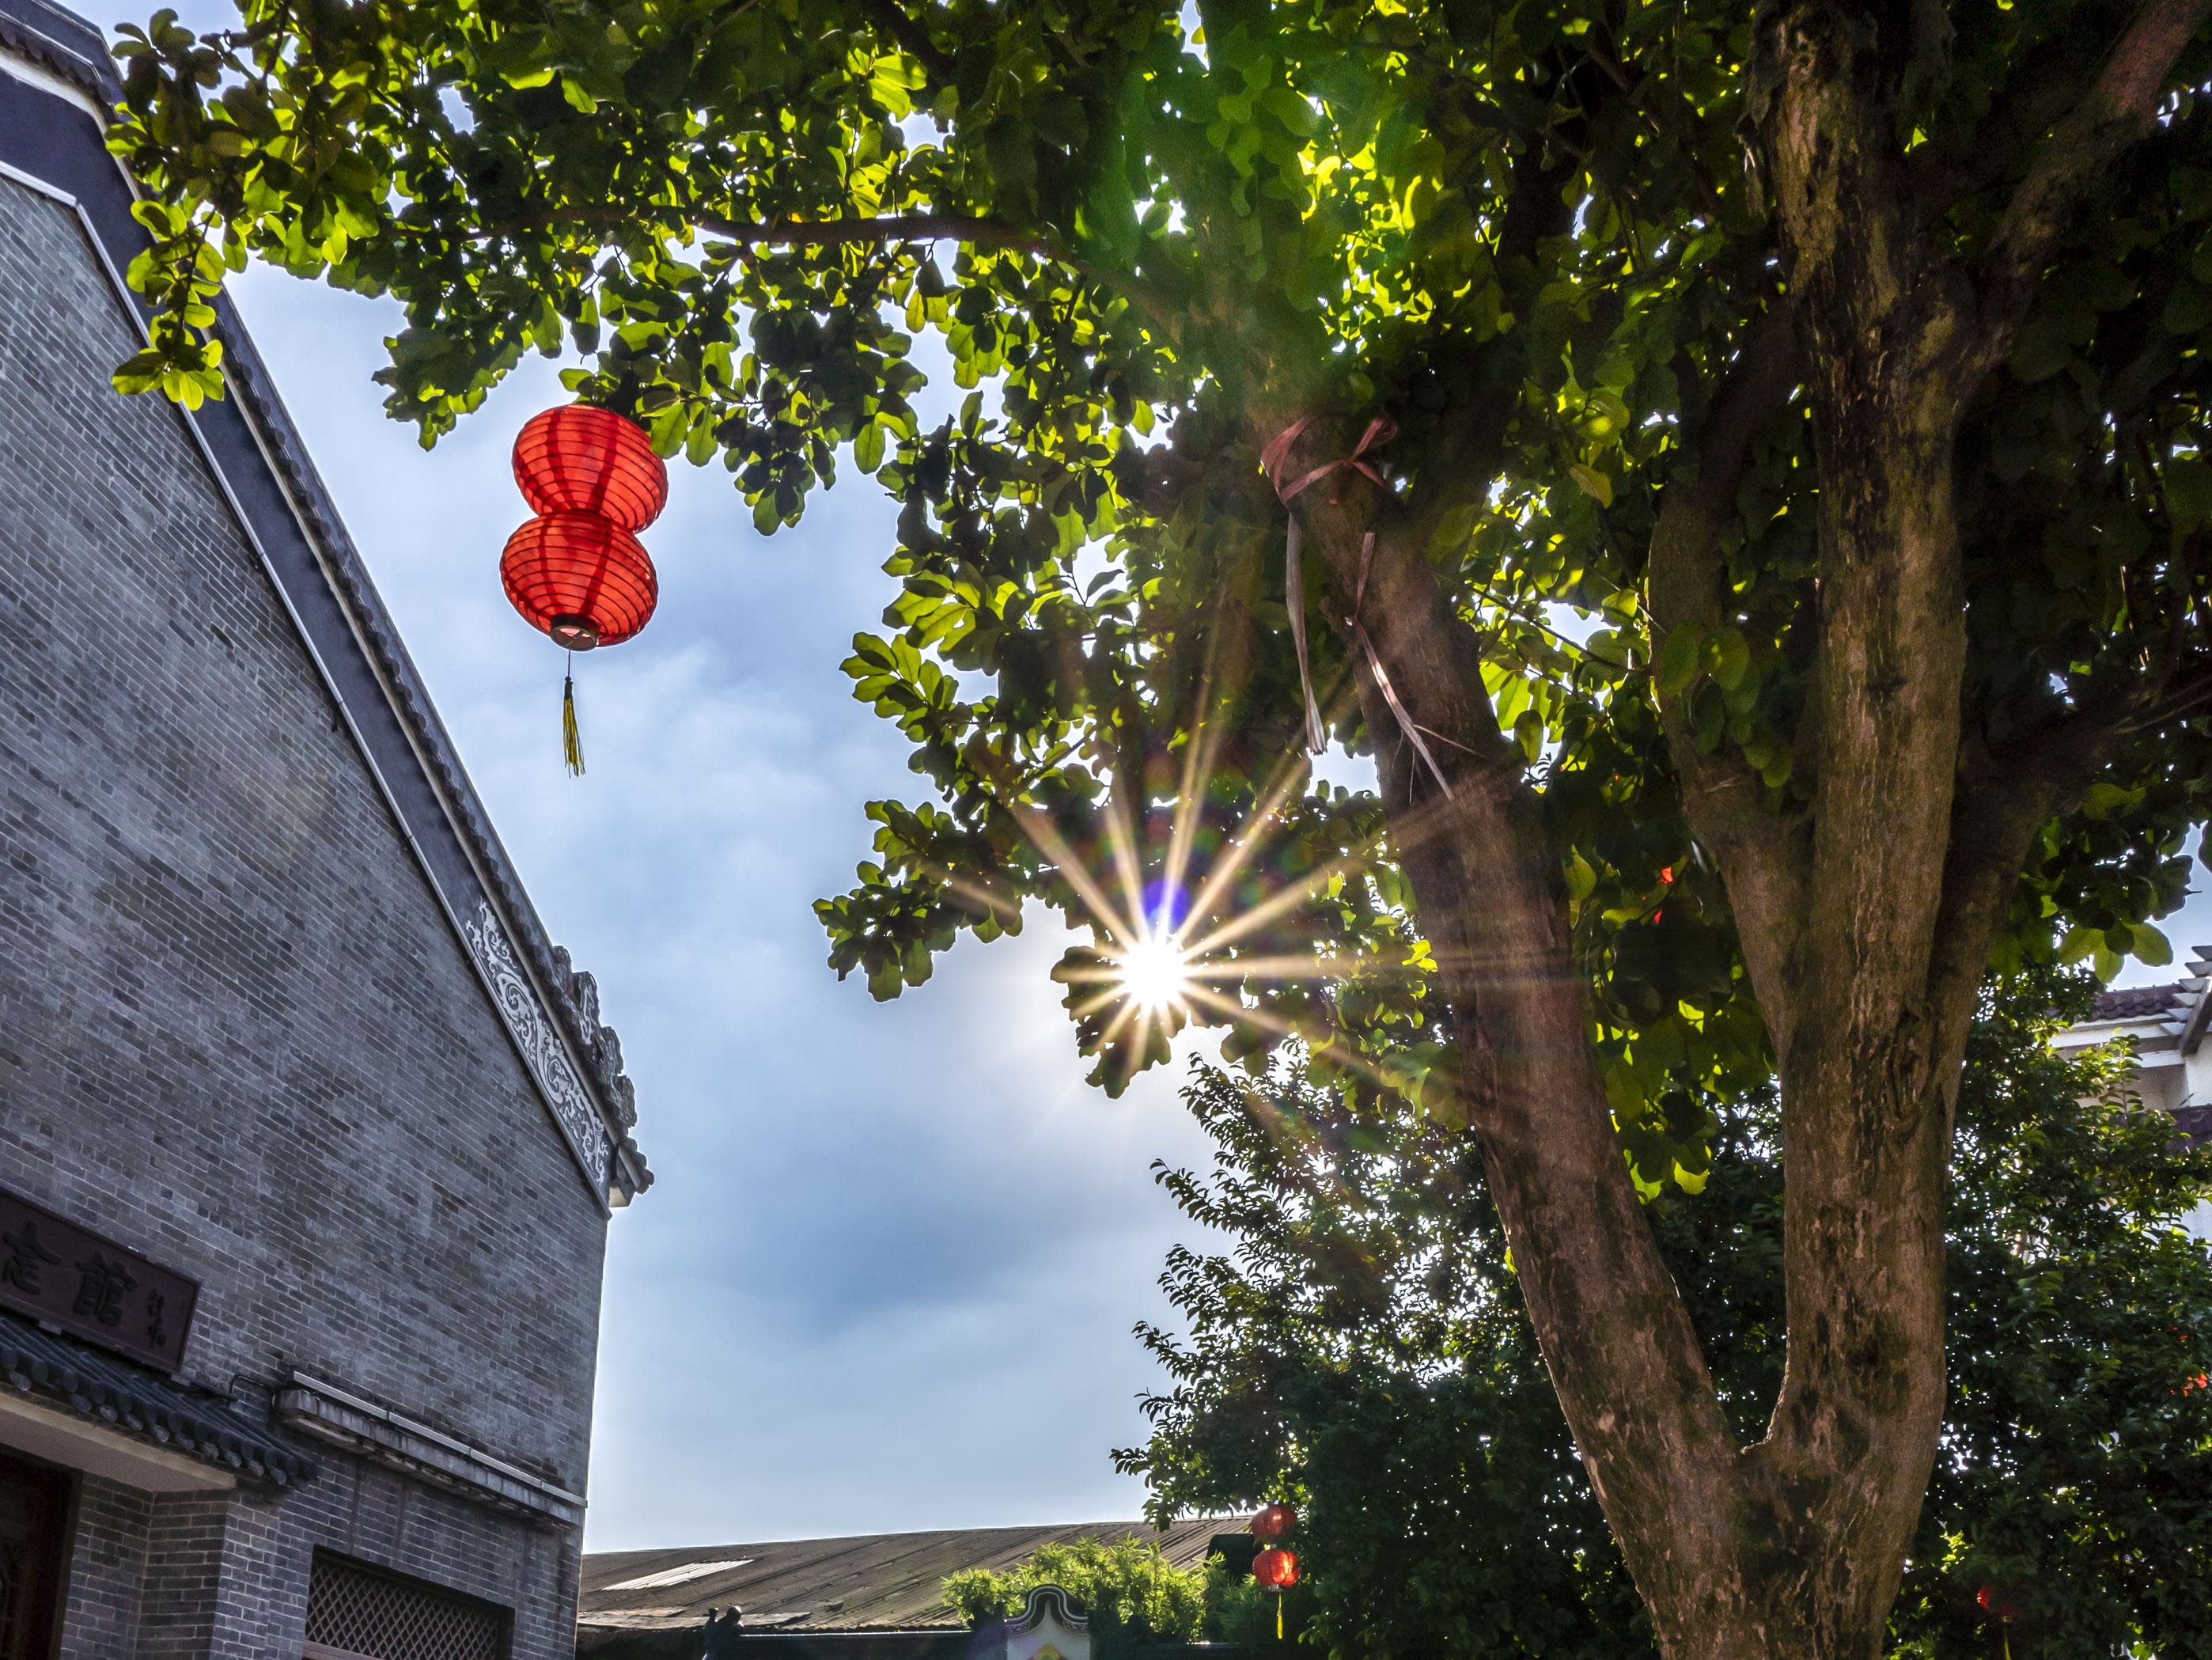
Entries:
{"x":2139,"y":1002}
{"x":144,"y":1404}
{"x":870,"y":1582}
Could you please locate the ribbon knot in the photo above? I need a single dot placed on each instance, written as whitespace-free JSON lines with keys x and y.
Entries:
{"x":1380,"y":431}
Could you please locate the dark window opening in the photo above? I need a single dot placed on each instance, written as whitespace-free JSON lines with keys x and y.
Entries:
{"x":33,"y":1551}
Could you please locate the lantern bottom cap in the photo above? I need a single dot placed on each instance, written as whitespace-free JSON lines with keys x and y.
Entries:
{"x":577,"y":633}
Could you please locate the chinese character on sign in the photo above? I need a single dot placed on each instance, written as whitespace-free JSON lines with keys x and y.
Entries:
{"x":67,"y":1278}
{"x":100,"y":1294}
{"x":23,"y":1259}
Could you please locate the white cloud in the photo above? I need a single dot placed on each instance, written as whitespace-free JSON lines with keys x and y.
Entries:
{"x":887,"y":1275}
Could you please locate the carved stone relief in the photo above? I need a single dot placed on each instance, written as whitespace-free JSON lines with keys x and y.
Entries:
{"x":541,"y":1049}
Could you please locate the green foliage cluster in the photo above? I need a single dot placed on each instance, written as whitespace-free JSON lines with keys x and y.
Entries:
{"x":1362,"y":1345}
{"x":1147,"y":237}
{"x":1129,"y":1590}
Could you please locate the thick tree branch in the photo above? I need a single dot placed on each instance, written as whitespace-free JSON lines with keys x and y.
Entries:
{"x":2041,"y":88}
{"x":2004,"y":798}
{"x":1464,"y":452}
{"x":1487,"y":889}
{"x":2118,"y":111}
{"x":1866,"y":1100}
{"x":1762,"y":857}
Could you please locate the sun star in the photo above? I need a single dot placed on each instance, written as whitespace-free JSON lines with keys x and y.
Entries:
{"x":1155,"y":972}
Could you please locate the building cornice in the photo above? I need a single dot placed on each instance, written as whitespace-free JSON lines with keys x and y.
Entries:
{"x":342,"y":1419}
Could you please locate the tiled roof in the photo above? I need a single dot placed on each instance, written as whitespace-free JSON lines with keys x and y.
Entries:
{"x":145,"y":1405}
{"x":2139,"y":1002}
{"x":870,"y":1582}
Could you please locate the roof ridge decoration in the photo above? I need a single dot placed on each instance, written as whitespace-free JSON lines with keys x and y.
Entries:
{"x":1053,"y":1601}
{"x":92,"y":75}
{"x":588,"y":1095}
{"x":541,"y":1051}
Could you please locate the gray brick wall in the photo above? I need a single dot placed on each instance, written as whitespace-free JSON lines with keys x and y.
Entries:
{"x":237,"y":1032}
{"x":107,"y":1570}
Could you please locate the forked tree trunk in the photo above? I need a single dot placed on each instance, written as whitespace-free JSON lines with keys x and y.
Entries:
{"x":1866,"y":922}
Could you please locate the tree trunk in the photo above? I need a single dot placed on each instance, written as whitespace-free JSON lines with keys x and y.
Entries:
{"x":1867,"y":921}
{"x":1793,"y":1546}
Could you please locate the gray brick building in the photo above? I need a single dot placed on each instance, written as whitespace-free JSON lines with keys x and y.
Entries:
{"x":308,"y":1137}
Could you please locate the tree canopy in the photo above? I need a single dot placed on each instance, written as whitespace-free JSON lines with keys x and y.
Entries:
{"x":1359,"y":1342}
{"x":1737,"y":469}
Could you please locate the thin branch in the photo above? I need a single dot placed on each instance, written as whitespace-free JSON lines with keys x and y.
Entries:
{"x":890,"y":228}
{"x":2118,"y":110}
{"x":1465,"y":453}
{"x":910,"y":37}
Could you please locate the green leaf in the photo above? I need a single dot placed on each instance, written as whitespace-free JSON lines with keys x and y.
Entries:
{"x":1594,"y":483}
{"x":1731,"y":654}
{"x":1679,"y":658}
{"x":2188,"y":493}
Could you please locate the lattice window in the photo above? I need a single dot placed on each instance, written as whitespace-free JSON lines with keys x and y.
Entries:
{"x":355,"y":1610}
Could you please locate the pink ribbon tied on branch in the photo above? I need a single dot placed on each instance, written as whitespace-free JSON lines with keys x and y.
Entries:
{"x":1380,"y":430}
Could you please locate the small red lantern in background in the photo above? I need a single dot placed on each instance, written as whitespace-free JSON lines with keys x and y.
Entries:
{"x":1273,"y":1522}
{"x":577,"y":572}
{"x":1275,"y":1568}
{"x":1999,"y":1609}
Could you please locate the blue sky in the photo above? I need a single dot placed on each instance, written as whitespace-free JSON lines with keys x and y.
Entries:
{"x":887,"y":1275}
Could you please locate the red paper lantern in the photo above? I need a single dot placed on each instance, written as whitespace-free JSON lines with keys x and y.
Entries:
{"x":1273,"y":1522}
{"x":1275,"y":1568}
{"x":1997,"y":1606}
{"x":580,"y":577}
{"x":580,"y":458}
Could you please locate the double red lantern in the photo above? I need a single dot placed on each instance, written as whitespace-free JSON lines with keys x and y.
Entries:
{"x":577,"y":572}
{"x":1275,"y":1568}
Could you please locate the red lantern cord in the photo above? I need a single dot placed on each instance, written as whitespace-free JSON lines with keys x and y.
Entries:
{"x":1276,"y":1570}
{"x":580,"y":458}
{"x":1999,"y":1611}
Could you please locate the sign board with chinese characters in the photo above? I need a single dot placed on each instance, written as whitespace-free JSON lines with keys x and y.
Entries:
{"x":53,"y":1270}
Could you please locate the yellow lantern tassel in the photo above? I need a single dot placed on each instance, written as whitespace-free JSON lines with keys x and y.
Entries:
{"x":571,"y":744}
{"x":1278,"y":1616}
